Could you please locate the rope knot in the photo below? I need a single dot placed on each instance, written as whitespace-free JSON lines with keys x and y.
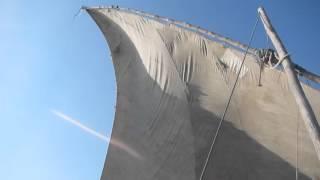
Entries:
{"x":270,"y":58}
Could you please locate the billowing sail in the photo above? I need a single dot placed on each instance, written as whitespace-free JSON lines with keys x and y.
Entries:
{"x":172,"y":88}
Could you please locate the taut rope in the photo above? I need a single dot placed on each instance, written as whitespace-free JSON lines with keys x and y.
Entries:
{"x":228,"y":103}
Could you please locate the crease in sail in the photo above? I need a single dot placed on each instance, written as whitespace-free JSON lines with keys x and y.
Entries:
{"x":172,"y":91}
{"x":151,"y":86}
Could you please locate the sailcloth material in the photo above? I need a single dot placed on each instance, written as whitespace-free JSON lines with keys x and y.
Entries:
{"x":172,"y":88}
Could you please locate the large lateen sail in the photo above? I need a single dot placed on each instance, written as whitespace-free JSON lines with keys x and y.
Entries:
{"x":172,"y":88}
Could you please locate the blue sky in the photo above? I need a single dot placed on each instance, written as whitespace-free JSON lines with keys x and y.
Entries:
{"x":54,"y":68}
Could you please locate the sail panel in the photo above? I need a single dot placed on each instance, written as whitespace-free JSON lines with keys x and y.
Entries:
{"x":172,"y":89}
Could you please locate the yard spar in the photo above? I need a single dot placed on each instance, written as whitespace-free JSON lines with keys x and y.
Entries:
{"x":173,"y":82}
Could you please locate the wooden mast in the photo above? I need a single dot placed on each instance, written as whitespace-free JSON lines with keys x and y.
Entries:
{"x":304,"y":106}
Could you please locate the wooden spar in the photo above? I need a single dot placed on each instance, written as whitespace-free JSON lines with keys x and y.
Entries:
{"x":304,"y":106}
{"x":236,"y":44}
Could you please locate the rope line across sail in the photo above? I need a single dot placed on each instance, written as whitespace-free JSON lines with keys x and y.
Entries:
{"x":229,"y":100}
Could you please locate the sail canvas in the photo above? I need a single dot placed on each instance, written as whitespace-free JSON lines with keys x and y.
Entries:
{"x":172,"y":88}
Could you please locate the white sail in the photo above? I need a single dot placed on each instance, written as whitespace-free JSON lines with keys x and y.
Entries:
{"x":172,"y":88}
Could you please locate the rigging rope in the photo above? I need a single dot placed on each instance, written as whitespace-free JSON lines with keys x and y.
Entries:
{"x":266,"y":57}
{"x":77,"y":13}
{"x":297,"y":147}
{"x":279,"y":60}
{"x":229,"y":100}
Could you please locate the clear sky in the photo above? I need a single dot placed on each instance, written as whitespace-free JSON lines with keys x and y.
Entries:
{"x":57,"y":84}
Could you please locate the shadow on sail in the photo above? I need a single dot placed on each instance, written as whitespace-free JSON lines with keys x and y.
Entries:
{"x":162,"y":117}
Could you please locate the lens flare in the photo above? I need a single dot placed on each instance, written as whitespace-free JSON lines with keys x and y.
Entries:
{"x":84,"y":128}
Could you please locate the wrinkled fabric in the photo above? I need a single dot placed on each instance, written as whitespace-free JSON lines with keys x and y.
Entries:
{"x":172,"y":89}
